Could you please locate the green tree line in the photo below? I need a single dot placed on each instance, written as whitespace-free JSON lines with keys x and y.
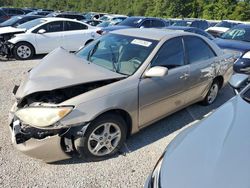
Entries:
{"x":207,"y":9}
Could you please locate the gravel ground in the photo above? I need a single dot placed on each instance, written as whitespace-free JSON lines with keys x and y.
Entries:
{"x":130,"y":169}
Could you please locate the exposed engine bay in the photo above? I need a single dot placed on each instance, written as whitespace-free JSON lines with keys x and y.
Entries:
{"x":59,"y":95}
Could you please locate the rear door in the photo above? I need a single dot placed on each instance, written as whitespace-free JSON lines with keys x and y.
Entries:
{"x":75,"y":35}
{"x":202,"y":59}
{"x":51,"y":39}
{"x":157,"y":23}
{"x":161,"y":96}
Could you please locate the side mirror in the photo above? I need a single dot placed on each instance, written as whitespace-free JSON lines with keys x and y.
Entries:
{"x":157,"y":71}
{"x":41,"y":31}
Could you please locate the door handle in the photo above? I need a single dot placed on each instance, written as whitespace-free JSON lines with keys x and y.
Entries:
{"x":184,"y":76}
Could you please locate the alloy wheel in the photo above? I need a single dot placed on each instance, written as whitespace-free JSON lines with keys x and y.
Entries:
{"x":104,"y":139}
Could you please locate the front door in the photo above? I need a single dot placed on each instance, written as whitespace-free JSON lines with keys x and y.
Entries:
{"x":51,"y":39}
{"x":164,"y":95}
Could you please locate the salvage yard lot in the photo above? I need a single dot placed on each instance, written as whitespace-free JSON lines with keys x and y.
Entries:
{"x":129,"y":169}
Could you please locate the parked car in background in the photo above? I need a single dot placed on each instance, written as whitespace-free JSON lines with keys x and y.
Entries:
{"x":112,"y":88}
{"x":92,"y":22}
{"x":106,"y":24}
{"x":43,"y":35}
{"x":94,"y":15}
{"x":222,"y":27}
{"x":137,"y":22}
{"x":18,"y":20}
{"x":13,"y":11}
{"x":113,"y":17}
{"x":237,"y":39}
{"x":27,"y":10}
{"x":212,"y":153}
{"x":192,"y":30}
{"x":70,"y":15}
{"x":212,"y":23}
{"x":198,"y":23}
{"x":3,"y":16}
{"x":39,"y":13}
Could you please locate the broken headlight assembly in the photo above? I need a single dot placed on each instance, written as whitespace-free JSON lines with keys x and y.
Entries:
{"x":42,"y":117}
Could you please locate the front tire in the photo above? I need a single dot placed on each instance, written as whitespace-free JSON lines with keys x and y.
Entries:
{"x":212,"y":94}
{"x":23,"y":51}
{"x":103,"y":138}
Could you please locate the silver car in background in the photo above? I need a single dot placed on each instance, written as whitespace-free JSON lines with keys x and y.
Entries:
{"x":213,"y":153}
{"x":89,"y":102}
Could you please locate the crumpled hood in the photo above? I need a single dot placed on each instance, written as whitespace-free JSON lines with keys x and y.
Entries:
{"x":214,"y":154}
{"x":61,"y":69}
{"x":6,"y":30}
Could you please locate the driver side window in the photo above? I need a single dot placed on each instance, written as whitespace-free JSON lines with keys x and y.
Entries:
{"x":171,"y":54}
{"x":52,"y":27}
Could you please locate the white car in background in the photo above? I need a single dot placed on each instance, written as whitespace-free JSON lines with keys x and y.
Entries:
{"x":43,"y":35}
{"x":222,"y":27}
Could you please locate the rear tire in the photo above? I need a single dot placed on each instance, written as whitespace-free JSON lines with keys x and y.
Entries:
{"x":212,"y":94}
{"x":103,"y":138}
{"x":23,"y":51}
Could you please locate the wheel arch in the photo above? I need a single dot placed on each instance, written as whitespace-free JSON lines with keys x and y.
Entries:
{"x":123,"y":113}
{"x":220,"y":80}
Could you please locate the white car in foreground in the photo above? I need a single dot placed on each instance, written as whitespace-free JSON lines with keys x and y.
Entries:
{"x":43,"y":35}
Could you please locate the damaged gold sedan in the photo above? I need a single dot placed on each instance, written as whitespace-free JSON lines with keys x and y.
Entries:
{"x":88,"y":103}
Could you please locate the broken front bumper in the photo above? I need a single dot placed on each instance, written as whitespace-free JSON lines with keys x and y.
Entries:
{"x":6,"y":49}
{"x":48,"y":149}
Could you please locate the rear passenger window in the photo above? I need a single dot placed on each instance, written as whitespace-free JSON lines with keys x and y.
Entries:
{"x":171,"y":54}
{"x":157,"y":23}
{"x":70,"y":26}
{"x":197,"y":49}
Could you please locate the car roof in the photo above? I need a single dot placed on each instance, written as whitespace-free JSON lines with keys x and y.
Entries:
{"x":184,"y":28}
{"x":151,"y":33}
{"x":58,"y":19}
{"x":243,"y":26}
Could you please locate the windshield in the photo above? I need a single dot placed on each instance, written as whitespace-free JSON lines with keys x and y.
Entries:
{"x":11,"y":21}
{"x":132,"y":22}
{"x":118,"y":53}
{"x":225,"y":24}
{"x":104,"y":24}
{"x":31,"y":24}
{"x":242,"y":34}
{"x":104,"y":18}
{"x":89,"y":15}
{"x":179,"y":23}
